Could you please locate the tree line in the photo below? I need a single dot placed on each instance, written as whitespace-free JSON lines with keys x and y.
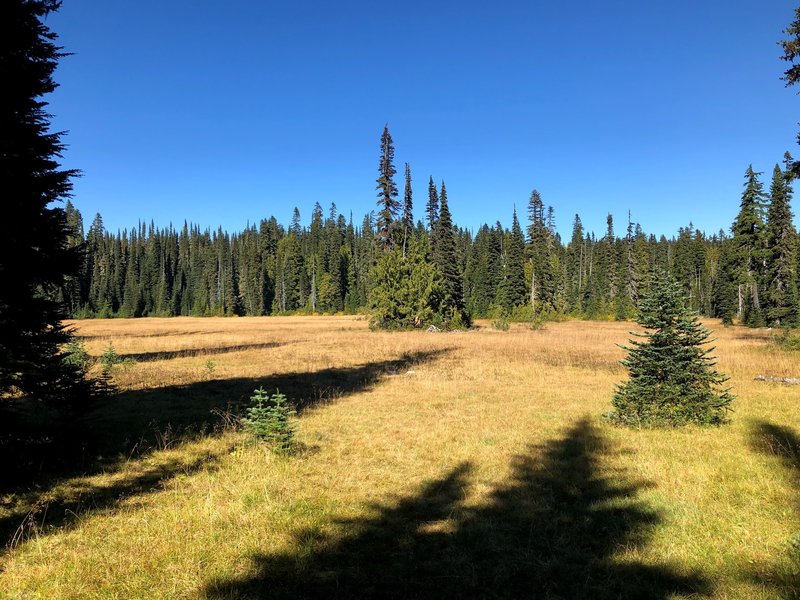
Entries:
{"x":524,"y":271}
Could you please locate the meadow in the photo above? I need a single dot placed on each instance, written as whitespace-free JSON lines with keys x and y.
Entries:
{"x":447,"y":465}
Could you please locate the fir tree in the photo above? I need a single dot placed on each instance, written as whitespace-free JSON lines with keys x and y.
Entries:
{"x":432,"y":207}
{"x":781,"y":252}
{"x":747,"y":249}
{"x":576,"y":266}
{"x":511,"y":291}
{"x":791,"y":52}
{"x":540,"y":250}
{"x":35,"y":254}
{"x":445,"y":255}
{"x":408,"y":208}
{"x":632,"y":277}
{"x":387,"y":192}
{"x":672,"y":377}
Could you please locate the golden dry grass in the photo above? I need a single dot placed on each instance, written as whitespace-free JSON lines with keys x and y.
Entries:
{"x":386,"y":414}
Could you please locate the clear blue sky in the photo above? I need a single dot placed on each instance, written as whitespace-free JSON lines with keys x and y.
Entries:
{"x":224,"y":112}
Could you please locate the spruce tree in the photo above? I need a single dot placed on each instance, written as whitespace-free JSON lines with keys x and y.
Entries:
{"x":387,"y":192}
{"x":781,"y":252}
{"x":35,"y":254}
{"x":672,"y":377}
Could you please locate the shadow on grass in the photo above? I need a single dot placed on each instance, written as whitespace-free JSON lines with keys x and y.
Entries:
{"x":40,"y":456}
{"x":192,"y":352}
{"x":783,"y":443}
{"x":146,"y":335}
{"x":552,"y":532}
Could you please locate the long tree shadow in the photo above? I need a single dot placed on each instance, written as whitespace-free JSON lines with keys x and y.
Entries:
{"x":192,"y":352}
{"x":36,"y":460}
{"x":552,"y":532}
{"x":782,"y":442}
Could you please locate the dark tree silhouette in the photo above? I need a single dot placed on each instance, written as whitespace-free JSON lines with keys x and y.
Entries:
{"x":552,"y":532}
{"x":36,"y":256}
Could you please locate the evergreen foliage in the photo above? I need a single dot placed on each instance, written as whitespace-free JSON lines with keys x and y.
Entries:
{"x":791,"y":52}
{"x":387,"y":192}
{"x":330,"y":265}
{"x":271,"y":420}
{"x":747,"y":250}
{"x":408,"y":209}
{"x":40,"y":249}
{"x":672,"y":377}
{"x":432,"y":207}
{"x":447,"y":258}
{"x":781,"y":253}
{"x":408,"y":291}
{"x":511,"y":290}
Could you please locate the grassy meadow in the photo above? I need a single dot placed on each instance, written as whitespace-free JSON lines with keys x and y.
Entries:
{"x":447,"y":465}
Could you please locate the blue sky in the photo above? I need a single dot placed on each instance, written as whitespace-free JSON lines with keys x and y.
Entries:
{"x":223,"y":113}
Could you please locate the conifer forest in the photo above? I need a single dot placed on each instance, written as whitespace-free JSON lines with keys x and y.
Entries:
{"x":745,"y":271}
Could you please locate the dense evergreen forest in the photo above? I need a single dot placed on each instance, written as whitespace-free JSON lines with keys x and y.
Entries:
{"x":327,"y":265}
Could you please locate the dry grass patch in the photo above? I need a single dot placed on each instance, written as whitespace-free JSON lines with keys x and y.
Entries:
{"x":449,"y":465}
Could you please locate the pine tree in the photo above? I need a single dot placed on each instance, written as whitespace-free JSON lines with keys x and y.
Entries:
{"x":387,"y":192}
{"x":35,"y":255}
{"x":781,"y":252}
{"x":672,"y":377}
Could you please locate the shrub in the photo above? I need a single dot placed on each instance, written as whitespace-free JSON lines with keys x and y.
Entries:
{"x":270,"y":420}
{"x":500,"y":324}
{"x":109,"y":358}
{"x":786,"y":341}
{"x":76,"y":356}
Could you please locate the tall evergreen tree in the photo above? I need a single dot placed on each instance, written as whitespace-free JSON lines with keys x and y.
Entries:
{"x":632,"y":275}
{"x":781,"y":252}
{"x":35,"y":254}
{"x":387,"y":192}
{"x":540,"y":251}
{"x":408,"y":210}
{"x":791,"y":52}
{"x":432,"y":207}
{"x":446,"y":257}
{"x":512,"y":289}
{"x":747,"y":249}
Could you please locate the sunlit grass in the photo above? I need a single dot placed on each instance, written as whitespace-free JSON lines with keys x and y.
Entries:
{"x":193,"y":514}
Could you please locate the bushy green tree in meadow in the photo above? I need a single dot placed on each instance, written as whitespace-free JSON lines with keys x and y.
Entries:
{"x":672,"y":376}
{"x":408,"y":291}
